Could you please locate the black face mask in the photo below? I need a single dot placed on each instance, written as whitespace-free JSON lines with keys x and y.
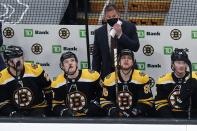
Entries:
{"x":112,"y":21}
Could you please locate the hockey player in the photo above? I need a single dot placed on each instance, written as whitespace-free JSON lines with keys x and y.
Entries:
{"x":168,"y":101}
{"x":127,"y":92}
{"x":22,"y":85}
{"x":76,"y":92}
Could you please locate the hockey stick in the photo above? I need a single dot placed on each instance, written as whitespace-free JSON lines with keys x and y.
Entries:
{"x":17,"y":79}
{"x":116,"y":65}
{"x":190,"y":100}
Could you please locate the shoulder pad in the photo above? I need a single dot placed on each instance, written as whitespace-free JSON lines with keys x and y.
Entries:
{"x":109,"y":79}
{"x":5,"y":77}
{"x":34,"y":69}
{"x":90,"y":75}
{"x":59,"y":81}
{"x":165,"y":79}
{"x":194,"y":75}
{"x":140,"y":77}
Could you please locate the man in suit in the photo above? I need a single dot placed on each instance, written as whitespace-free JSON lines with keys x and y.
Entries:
{"x":2,"y":64}
{"x":126,"y":38}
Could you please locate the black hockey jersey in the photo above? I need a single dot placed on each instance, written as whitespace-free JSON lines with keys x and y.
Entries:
{"x":26,"y":92}
{"x":168,"y":96}
{"x":76,"y":94}
{"x":135,"y":93}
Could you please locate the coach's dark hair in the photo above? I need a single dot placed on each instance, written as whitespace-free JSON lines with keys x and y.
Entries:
{"x":110,"y":7}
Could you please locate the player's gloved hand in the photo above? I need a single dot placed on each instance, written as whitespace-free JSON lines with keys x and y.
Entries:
{"x":113,"y":112}
{"x":14,"y":114}
{"x":186,"y":92}
{"x":134,"y":112}
{"x":66,"y":113}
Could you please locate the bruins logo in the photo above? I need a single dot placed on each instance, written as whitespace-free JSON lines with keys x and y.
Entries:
{"x":23,"y":97}
{"x":124,"y":100}
{"x":64,"y":33}
{"x":173,"y":98}
{"x":76,"y":101}
{"x":8,"y":32}
{"x":37,"y":48}
{"x":148,"y":50}
{"x":175,"y":34}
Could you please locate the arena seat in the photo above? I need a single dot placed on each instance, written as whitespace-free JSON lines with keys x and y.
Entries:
{"x":96,"y":6}
{"x":147,"y":20}
{"x":141,"y":12}
{"x":149,"y":5}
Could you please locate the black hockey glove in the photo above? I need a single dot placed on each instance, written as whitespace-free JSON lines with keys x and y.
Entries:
{"x":113,"y":112}
{"x":186,"y":92}
{"x":14,"y":114}
{"x":66,"y":113}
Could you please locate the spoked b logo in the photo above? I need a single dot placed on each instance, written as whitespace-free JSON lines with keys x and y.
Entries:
{"x":64,"y":33}
{"x":8,"y":32}
{"x":175,"y":34}
{"x":37,"y":48}
{"x":148,"y":50}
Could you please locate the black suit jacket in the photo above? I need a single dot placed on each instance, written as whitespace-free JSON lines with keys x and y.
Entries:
{"x":102,"y":61}
{"x":1,"y":38}
{"x":2,"y":64}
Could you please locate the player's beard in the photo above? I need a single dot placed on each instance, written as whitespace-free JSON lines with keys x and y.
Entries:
{"x":125,"y":68}
{"x":73,"y":72}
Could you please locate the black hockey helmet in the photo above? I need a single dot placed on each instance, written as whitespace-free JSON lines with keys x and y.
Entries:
{"x":12,"y":52}
{"x":179,"y":55}
{"x":67,"y":55}
{"x":126,"y":52}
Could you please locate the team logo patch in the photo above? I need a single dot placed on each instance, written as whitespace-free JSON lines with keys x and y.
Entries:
{"x":76,"y":100}
{"x":37,"y":48}
{"x":64,"y":33}
{"x":8,"y":32}
{"x":174,"y":97}
{"x":148,"y":50}
{"x":23,"y":97}
{"x":175,"y":34}
{"x":124,"y":100}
